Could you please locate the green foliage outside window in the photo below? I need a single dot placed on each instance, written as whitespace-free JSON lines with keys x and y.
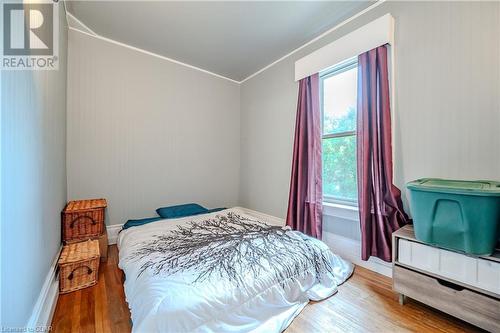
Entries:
{"x":339,"y":158}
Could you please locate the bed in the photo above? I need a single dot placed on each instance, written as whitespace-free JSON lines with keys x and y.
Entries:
{"x":234,"y":270}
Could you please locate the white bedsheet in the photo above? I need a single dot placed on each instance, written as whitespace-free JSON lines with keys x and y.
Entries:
{"x":172,"y":303}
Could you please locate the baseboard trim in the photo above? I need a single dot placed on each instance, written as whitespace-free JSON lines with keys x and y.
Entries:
{"x":45,"y":305}
{"x":113,"y":231}
{"x":350,"y":249}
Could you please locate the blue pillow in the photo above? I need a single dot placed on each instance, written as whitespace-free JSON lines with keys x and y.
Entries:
{"x":213,"y":210}
{"x":135,"y":223}
{"x":138,"y":222}
{"x":172,"y":212}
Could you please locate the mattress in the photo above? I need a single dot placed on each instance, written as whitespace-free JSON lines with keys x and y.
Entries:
{"x":235,"y":270}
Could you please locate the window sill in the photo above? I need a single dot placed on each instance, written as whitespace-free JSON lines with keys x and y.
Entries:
{"x":341,"y":211}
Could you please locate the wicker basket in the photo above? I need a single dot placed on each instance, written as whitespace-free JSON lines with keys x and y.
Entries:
{"x":83,"y":219}
{"x":103,"y":244}
{"x":78,"y":266}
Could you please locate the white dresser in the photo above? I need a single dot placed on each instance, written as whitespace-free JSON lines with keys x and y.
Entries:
{"x":463,"y":286}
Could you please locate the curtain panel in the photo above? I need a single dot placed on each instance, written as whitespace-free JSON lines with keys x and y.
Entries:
{"x":305,"y":199}
{"x":380,"y":206}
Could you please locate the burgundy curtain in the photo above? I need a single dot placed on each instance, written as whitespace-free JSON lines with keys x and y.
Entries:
{"x":305,"y":199}
{"x":380,"y":207}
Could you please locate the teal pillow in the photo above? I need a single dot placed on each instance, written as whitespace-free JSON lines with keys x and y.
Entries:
{"x":172,"y":212}
{"x":213,"y":210}
{"x":135,"y":223}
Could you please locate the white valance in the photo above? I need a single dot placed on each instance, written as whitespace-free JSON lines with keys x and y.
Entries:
{"x":369,"y":36}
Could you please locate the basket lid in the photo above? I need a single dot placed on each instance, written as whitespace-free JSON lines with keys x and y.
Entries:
{"x":81,"y":205}
{"x":467,"y":187}
{"x":79,"y":251}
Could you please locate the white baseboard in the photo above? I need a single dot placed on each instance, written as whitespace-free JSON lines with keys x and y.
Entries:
{"x":113,"y":231}
{"x":46,"y":303}
{"x":350,"y":249}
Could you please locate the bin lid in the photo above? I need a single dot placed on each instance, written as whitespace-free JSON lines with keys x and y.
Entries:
{"x":467,"y":187}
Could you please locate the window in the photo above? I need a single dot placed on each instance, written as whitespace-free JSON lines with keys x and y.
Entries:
{"x":338,"y":89}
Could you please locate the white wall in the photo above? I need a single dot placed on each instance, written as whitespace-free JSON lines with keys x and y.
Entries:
{"x":447,"y":107}
{"x":144,"y":132}
{"x":33,"y":148}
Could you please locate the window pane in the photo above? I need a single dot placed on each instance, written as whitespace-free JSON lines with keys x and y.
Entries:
{"x":339,"y":168}
{"x":339,"y":102}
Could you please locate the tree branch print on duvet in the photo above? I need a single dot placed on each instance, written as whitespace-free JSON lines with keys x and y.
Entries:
{"x":231,"y":247}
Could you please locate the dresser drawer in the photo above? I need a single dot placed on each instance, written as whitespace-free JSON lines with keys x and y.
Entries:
{"x":473,"y":307}
{"x":476,"y":272}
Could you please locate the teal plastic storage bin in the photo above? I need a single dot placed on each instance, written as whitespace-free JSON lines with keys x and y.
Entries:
{"x":455,"y":214}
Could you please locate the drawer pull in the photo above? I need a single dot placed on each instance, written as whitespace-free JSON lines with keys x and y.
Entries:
{"x":89,"y":271}
{"x":92,"y":221}
{"x":450,"y":285}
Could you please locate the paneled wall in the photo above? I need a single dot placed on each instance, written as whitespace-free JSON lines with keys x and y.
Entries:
{"x":447,"y":106}
{"x":33,"y":163}
{"x":144,"y":132}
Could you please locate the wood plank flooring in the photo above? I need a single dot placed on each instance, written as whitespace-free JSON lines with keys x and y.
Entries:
{"x":365,"y":303}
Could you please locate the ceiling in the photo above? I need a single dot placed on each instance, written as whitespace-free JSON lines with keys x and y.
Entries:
{"x":232,"y":39}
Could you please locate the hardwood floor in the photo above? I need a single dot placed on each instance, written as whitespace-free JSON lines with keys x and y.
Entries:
{"x":365,"y":303}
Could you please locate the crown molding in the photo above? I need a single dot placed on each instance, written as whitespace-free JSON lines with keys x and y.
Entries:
{"x":66,"y":13}
{"x":152,"y":54}
{"x":92,"y":33}
{"x":355,"y":16}
{"x":79,"y":24}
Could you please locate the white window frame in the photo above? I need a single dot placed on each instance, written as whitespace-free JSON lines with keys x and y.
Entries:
{"x":335,"y":70}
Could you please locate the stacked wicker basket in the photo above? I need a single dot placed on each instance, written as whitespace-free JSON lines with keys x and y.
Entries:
{"x":85,"y":239}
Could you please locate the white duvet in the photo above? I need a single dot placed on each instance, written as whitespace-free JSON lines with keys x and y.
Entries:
{"x":173,"y":303}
